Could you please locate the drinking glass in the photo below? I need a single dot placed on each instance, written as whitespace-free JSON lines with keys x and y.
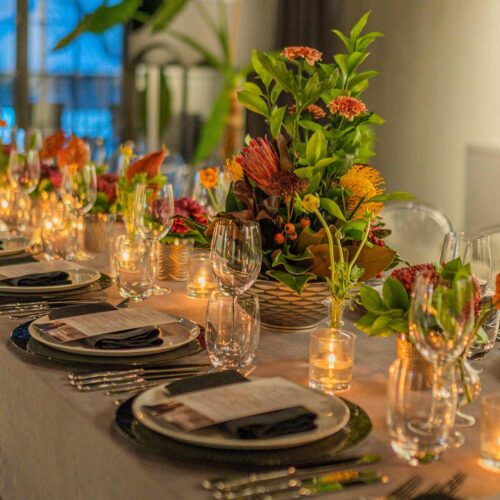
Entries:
{"x":24,"y":169}
{"x":16,"y":205}
{"x":442,"y":323}
{"x":60,"y":234}
{"x":232,"y":335}
{"x":420,"y":418}
{"x":79,"y":193}
{"x":135,"y":266}
{"x":490,"y":432}
{"x":153,"y":215}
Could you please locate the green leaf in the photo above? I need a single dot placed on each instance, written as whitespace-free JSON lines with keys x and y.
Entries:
{"x":366,"y":40}
{"x":359,"y":26}
{"x":355,"y":59}
{"x":296,"y":283}
{"x":400,"y":325}
{"x":360,"y":77}
{"x":314,"y":183}
{"x":264,"y":75}
{"x":275,"y":93}
{"x":371,"y":300}
{"x":165,"y":13}
{"x":324,"y":162}
{"x":332,"y":208}
{"x":281,"y":260}
{"x":102,"y":19}
{"x":253,"y":102}
{"x":397,"y":195}
{"x":304,"y":172}
{"x":341,"y":60}
{"x":310,"y":125}
{"x":344,"y":39}
{"x":214,"y":126}
{"x":252,"y":88}
{"x":376,"y":119}
{"x":277,"y":115}
{"x":395,"y":295}
{"x":365,"y":322}
{"x":279,"y":71}
{"x":316,"y":148}
{"x":379,"y":326}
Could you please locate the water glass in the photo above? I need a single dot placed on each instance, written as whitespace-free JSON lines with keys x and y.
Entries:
{"x":232,"y":330}
{"x":331,"y":358}
{"x":60,"y":234}
{"x":490,"y":432}
{"x":420,"y":419}
{"x":135,"y":267}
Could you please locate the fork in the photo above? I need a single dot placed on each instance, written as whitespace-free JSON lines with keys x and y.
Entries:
{"x":404,"y":491}
{"x":450,"y":487}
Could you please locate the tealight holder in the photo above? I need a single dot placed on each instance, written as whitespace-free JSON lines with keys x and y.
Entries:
{"x":200,"y":282}
{"x":331,"y":358}
{"x":490,"y":432}
{"x":60,"y":234}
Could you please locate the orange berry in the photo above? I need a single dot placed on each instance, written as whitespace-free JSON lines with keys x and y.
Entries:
{"x":289,"y":228}
{"x":279,"y":238}
{"x":293,"y":236}
{"x":305,"y":222}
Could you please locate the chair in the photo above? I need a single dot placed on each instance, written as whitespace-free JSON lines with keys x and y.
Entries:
{"x":417,"y":230}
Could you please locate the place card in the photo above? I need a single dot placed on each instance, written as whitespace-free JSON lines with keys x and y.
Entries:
{"x":91,"y":325}
{"x":207,"y":407}
{"x":18,"y":270}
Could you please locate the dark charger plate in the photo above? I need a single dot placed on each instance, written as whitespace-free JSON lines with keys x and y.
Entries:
{"x":319,"y":452}
{"x":22,"y":341}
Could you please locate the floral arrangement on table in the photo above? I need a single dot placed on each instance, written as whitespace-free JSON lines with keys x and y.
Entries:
{"x":216,"y":189}
{"x":310,"y":185}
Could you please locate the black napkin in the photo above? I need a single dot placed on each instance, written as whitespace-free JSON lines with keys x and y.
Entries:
{"x":128,"y":339}
{"x":265,"y":425}
{"x":40,"y":279}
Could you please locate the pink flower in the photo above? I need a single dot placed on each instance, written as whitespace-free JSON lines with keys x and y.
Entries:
{"x":347,"y":106}
{"x":310,"y":55}
{"x":406,"y":275}
{"x":191,"y":209}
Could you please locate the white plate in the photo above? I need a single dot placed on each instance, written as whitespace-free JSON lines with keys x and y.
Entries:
{"x":13,"y":245}
{"x":78,"y":277}
{"x":173,"y":336}
{"x":333,"y":415}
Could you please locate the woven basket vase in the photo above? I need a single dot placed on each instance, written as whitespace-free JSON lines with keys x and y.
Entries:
{"x":284,"y":310}
{"x":173,"y":259}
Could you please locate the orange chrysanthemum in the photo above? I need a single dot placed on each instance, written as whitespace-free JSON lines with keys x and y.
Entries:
{"x":496,"y":298}
{"x":363,"y":182}
{"x":209,"y":177}
{"x":52,"y":145}
{"x":347,"y":106}
{"x":233,"y":171}
{"x":76,"y":152}
{"x":316,"y":111}
{"x":310,"y":55}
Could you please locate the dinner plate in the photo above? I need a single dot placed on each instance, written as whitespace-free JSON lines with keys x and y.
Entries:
{"x":173,"y":336}
{"x":332,"y":412}
{"x":13,"y":245}
{"x":79,"y":278}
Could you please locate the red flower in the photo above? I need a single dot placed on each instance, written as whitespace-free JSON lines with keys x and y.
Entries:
{"x":149,"y":164}
{"x":191,"y":209}
{"x":310,"y":55}
{"x":406,"y":275}
{"x":52,"y":173}
{"x":106,"y":183}
{"x":347,"y":106}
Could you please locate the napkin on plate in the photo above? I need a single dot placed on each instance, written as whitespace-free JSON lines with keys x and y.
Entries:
{"x":128,"y":339}
{"x":265,"y":425}
{"x":40,"y":279}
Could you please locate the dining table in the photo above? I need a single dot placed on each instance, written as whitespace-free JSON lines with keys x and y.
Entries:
{"x":61,"y":444}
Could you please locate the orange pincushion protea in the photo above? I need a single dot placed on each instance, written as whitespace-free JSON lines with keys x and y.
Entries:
{"x":310,"y":55}
{"x":209,"y":177}
{"x":76,"y":152}
{"x":149,"y":164}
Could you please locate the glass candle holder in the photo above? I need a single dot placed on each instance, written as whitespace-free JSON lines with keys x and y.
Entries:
{"x":60,"y":234}
{"x":200,"y":282}
{"x":331,"y":357}
{"x":490,"y":432}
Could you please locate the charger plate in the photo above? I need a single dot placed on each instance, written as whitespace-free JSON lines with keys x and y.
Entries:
{"x":13,"y":245}
{"x":320,"y":452}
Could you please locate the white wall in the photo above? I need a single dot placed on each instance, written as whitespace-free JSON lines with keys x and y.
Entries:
{"x":439,"y":92}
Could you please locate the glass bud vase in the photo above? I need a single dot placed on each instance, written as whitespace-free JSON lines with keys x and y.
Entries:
{"x":335,"y":307}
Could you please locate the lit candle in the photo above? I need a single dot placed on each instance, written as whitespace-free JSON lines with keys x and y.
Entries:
{"x":200,"y":281}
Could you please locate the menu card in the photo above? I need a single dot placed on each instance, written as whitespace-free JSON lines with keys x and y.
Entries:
{"x":17,"y":270}
{"x":91,"y":325}
{"x":207,"y":407}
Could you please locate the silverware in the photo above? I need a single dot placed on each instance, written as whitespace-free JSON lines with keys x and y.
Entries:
{"x":405,"y":491}
{"x":449,"y":487}
{"x":224,"y":484}
{"x":35,"y":306}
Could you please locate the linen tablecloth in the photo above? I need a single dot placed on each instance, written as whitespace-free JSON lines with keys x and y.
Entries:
{"x":57,"y":443}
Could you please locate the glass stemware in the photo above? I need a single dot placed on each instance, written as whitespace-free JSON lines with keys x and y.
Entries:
{"x":79,"y":193}
{"x":442,"y":322}
{"x":154,"y":209}
{"x":24,"y":168}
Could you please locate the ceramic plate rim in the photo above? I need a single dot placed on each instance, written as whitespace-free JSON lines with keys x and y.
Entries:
{"x":7,"y":253}
{"x":224,"y":442}
{"x":194,"y":332}
{"x":95,"y":276}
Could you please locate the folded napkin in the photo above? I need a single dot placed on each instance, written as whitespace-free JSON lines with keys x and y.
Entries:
{"x":128,"y":339}
{"x":40,"y":279}
{"x":265,"y":425}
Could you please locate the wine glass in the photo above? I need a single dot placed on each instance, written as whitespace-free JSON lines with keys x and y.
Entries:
{"x":79,"y":192}
{"x":24,"y":168}
{"x":442,"y":323}
{"x":153,"y":215}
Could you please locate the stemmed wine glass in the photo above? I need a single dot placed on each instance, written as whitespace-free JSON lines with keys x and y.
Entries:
{"x":24,"y":168}
{"x":442,"y":323}
{"x":153,"y":216}
{"x":79,"y":192}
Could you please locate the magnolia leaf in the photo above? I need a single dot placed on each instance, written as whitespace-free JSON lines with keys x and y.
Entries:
{"x":321,"y":259}
{"x":341,"y":60}
{"x":397,"y":195}
{"x":253,"y":102}
{"x":360,"y":77}
{"x":400,"y":325}
{"x":277,"y":115}
{"x":296,"y":283}
{"x":308,"y":237}
{"x":332,"y":208}
{"x":314,"y":183}
{"x":376,"y":119}
{"x":373,"y":260}
{"x":281,"y":260}
{"x":395,"y":295}
{"x":344,"y":39}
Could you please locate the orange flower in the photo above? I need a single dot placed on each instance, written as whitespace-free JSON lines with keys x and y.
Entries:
{"x":233,"y":171}
{"x":209,"y":177}
{"x":77,"y":151}
{"x":347,"y":106}
{"x":3,"y":123}
{"x":149,"y":164}
{"x":52,"y":145}
{"x":316,"y":111}
{"x":310,"y":55}
{"x":496,"y":298}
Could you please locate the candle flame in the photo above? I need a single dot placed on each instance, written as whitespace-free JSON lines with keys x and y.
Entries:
{"x":202,"y":281}
{"x":331,"y":359}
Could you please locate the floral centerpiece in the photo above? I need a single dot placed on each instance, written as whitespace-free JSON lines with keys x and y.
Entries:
{"x":210,"y":179}
{"x":309,"y":183}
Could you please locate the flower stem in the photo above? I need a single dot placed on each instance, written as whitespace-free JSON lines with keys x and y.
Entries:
{"x":362,"y":244}
{"x":330,"y":244}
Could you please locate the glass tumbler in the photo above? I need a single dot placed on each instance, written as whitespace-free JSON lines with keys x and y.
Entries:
{"x":135,"y":267}
{"x":232,"y":347}
{"x":331,"y":358}
{"x":490,"y":432}
{"x":420,"y":419}
{"x":60,"y":234}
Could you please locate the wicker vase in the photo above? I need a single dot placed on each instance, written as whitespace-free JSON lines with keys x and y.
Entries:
{"x":172,"y":260}
{"x":98,"y":232}
{"x":284,"y":310}
{"x":405,"y":350}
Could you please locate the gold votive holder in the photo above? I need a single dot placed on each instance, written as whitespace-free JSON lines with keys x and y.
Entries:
{"x":331,"y":358}
{"x":200,"y":282}
{"x":490,"y":432}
